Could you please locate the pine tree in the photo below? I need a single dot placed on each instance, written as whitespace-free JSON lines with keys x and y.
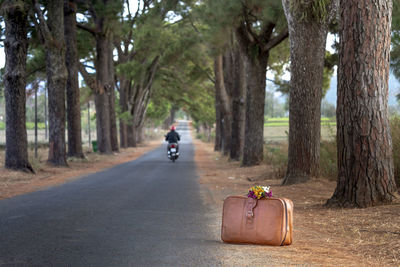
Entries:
{"x":365,"y":163}
{"x":16,"y":44}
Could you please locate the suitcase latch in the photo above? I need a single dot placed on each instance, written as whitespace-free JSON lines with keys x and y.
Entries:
{"x":250,"y":214}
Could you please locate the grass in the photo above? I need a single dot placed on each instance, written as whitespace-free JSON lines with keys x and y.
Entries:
{"x":280,"y":133}
{"x":275,"y":122}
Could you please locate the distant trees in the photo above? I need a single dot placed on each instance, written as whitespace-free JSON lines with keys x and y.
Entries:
{"x":16,"y":45}
{"x":365,"y":163}
{"x":102,"y":16}
{"x":243,"y":35}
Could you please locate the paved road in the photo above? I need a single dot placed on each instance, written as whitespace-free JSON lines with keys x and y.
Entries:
{"x":141,"y":213}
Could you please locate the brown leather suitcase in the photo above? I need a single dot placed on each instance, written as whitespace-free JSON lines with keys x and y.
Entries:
{"x":265,"y":221}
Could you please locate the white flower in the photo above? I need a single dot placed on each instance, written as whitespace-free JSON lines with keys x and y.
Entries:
{"x":266,"y":189}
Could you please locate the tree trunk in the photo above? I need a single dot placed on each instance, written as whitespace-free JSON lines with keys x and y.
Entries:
{"x":16,"y":45}
{"x":224,"y":101}
{"x":238,"y":105}
{"x":139,"y":97}
{"x":218,"y":126}
{"x":134,"y":137}
{"x":111,"y":84}
{"x":306,"y":80}
{"x":226,"y":89}
{"x":131,"y":135}
{"x":73,"y":95}
{"x":123,"y":135}
{"x":255,"y":97}
{"x":255,"y":48}
{"x":140,"y":135}
{"x":365,"y":163}
{"x":57,"y":79}
{"x":101,"y":99}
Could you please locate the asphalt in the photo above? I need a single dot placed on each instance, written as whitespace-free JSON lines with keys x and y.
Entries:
{"x":144,"y":212}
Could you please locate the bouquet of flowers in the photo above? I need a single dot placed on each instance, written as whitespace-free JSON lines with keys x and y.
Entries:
{"x":258,"y":192}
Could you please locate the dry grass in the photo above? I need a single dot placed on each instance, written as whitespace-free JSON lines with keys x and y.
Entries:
{"x":322,"y":237}
{"x":13,"y":183}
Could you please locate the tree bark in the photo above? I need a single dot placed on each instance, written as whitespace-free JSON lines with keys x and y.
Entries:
{"x":16,"y":46}
{"x":255,"y":97}
{"x":218,"y":126}
{"x":307,"y":53}
{"x":123,"y":135}
{"x":139,"y":96}
{"x":52,"y":33}
{"x":131,"y":136}
{"x":226,"y":97}
{"x":224,"y":101}
{"x":365,"y":163}
{"x":73,"y":94}
{"x":255,"y":48}
{"x":102,"y":99}
{"x":238,"y":104}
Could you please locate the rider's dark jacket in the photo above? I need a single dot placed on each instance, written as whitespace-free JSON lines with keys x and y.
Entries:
{"x":172,"y":137}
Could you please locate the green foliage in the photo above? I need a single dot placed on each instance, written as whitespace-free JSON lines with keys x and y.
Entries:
{"x":395,"y":130}
{"x":158,"y":110}
{"x":310,"y":10}
{"x":36,"y":64}
{"x":29,"y":125}
{"x":278,"y":61}
{"x":126,"y":117}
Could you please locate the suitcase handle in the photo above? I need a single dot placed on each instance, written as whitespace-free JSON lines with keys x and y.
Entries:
{"x":251,"y":204}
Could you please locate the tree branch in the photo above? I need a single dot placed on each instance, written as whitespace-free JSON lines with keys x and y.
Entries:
{"x":42,"y":25}
{"x":251,"y":35}
{"x":86,"y":28}
{"x":276,"y":40}
{"x":267,"y":31}
{"x":35,"y":70}
{"x":93,"y":84}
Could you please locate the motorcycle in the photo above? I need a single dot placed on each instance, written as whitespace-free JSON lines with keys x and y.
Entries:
{"x":173,"y":153}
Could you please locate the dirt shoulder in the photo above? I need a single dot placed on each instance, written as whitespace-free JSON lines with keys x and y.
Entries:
{"x":322,"y":237}
{"x":14,"y":183}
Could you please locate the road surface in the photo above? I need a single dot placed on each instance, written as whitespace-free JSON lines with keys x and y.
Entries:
{"x":141,"y":213}
{"x":147,"y":212}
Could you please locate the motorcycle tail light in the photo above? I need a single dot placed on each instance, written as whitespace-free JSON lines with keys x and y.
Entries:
{"x":172,"y":146}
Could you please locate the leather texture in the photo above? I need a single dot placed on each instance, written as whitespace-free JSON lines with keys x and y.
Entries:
{"x":264,"y":221}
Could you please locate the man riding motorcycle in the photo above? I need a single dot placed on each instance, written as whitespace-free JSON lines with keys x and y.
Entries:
{"x":173,"y":137}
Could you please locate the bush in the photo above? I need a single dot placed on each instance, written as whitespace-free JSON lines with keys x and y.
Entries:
{"x":277,"y":156}
{"x":395,"y":129}
{"x":328,"y":160}
{"x":202,"y":137}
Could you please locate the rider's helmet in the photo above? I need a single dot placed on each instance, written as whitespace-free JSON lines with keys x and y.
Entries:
{"x":172,"y":128}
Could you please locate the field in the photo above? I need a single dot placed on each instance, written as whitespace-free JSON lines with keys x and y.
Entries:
{"x":277,"y":129}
